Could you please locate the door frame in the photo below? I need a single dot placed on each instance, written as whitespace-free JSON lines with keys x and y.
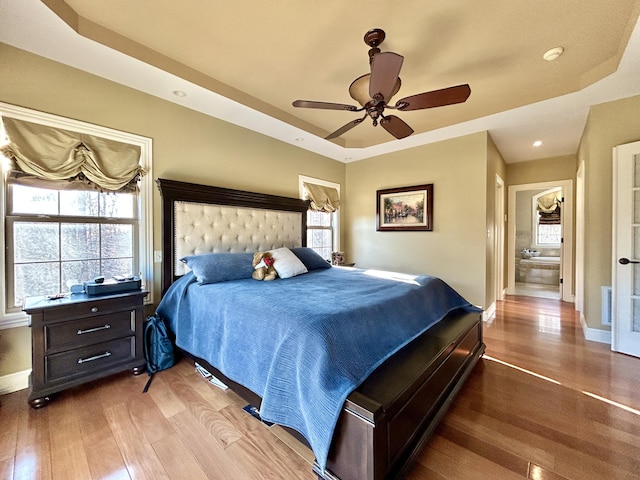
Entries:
{"x":499,"y":251}
{"x":567,"y":235}
{"x":580,"y":216}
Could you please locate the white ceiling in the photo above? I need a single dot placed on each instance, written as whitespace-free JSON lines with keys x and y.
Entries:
{"x":245,"y":62}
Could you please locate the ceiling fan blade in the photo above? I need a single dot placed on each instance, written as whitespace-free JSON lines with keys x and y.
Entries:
{"x":396,"y":126}
{"x":345,"y":128}
{"x":325,"y":105}
{"x":435,"y":98}
{"x":385,"y":69}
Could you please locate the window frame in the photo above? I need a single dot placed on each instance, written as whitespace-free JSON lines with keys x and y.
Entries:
{"x":144,"y":241}
{"x":58,"y":219}
{"x":535,"y":223}
{"x":335,"y":216}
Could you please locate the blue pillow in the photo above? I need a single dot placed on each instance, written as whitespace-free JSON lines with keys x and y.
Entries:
{"x":220,"y":267}
{"x":311,"y":259}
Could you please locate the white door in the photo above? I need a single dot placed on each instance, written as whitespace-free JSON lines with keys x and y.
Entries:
{"x":625,"y":313}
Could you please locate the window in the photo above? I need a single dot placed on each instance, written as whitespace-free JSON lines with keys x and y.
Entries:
{"x":546,"y":214}
{"x":322,"y":226}
{"x":56,"y":237}
{"x":59,"y":237}
{"x":320,"y":233}
{"x":549,"y":235}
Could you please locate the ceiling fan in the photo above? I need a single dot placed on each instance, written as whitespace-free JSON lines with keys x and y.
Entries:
{"x":373,"y":90}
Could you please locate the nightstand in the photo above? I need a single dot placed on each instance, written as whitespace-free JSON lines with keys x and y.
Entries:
{"x":80,"y":338}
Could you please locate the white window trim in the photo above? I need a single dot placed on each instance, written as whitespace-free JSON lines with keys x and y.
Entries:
{"x":336,"y":216}
{"x":534,"y":219}
{"x":145,"y":249}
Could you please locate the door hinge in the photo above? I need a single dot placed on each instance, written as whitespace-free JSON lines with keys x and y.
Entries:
{"x":561,"y":281}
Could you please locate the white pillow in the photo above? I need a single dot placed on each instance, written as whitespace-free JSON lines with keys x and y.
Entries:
{"x":286,"y":263}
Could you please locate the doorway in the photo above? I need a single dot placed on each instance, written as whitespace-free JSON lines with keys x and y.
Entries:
{"x":540,"y":239}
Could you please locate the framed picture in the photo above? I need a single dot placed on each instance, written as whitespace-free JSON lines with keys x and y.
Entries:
{"x":405,"y":209}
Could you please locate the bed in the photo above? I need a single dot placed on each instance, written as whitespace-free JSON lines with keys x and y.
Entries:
{"x":364,"y":403}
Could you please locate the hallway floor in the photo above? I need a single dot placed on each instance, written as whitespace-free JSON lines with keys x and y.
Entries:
{"x":538,"y":290}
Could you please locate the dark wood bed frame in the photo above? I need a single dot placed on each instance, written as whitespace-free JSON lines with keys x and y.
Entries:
{"x":387,"y":420}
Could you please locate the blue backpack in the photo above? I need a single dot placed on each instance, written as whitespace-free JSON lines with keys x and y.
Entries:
{"x":158,"y":347}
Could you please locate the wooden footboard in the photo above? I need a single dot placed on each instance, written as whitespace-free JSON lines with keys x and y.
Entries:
{"x":387,"y":420}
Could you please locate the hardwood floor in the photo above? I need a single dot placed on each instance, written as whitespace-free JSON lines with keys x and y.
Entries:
{"x":543,"y":404}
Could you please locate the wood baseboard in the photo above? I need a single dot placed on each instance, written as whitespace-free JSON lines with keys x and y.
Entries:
{"x":14,"y":381}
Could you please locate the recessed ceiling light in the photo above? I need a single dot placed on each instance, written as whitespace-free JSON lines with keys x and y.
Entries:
{"x":348,"y":158}
{"x":537,"y":143}
{"x":299,"y":139}
{"x":179,"y":93}
{"x":552,"y":54}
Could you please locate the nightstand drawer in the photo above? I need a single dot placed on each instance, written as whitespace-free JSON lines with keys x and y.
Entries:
{"x":89,"y":359}
{"x":85,"y":309}
{"x":87,"y":331}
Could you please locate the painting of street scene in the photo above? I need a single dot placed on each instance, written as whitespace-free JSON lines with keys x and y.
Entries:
{"x":405,"y":208}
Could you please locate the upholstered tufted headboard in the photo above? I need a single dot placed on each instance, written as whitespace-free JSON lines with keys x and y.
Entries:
{"x":203,"y":219}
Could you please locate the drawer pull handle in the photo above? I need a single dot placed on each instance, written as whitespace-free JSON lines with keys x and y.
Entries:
{"x":95,"y":357}
{"x":94,"y":309}
{"x":106,"y":326}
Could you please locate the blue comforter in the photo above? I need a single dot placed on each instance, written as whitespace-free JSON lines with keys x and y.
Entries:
{"x":305,"y":343}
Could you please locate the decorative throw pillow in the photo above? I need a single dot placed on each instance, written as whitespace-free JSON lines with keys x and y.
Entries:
{"x":286,"y":263}
{"x":219,"y":267}
{"x":311,"y":259}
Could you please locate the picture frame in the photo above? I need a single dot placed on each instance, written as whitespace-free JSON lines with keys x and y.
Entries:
{"x":405,"y":209}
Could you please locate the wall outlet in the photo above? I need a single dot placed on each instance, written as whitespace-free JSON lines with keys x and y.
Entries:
{"x":157,"y":256}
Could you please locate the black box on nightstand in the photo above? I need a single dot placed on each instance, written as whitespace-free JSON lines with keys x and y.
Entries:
{"x":112,"y":286}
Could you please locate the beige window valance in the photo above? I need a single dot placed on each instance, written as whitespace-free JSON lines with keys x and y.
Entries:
{"x":51,"y":157}
{"x":549,"y":209}
{"x":323,"y":199}
{"x":549,"y":202}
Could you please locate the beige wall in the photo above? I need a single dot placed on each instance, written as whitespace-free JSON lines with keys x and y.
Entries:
{"x":455,"y":249}
{"x":187,"y":145}
{"x":15,"y":350}
{"x":542,"y":170}
{"x":546,"y":170}
{"x":608,"y":125}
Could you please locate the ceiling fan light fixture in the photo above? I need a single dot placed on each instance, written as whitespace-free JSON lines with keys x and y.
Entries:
{"x":374,"y":90}
{"x":553,"y":54}
{"x":359,"y":89}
